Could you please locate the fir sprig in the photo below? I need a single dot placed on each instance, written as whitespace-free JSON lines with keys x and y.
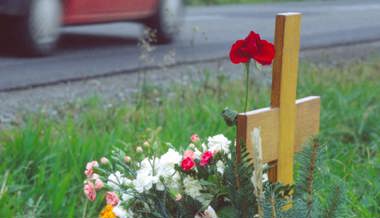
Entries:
{"x":240,"y":188}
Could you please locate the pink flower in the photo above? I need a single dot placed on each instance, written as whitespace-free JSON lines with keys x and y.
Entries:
{"x":98,"y":184}
{"x":112,"y":198}
{"x":94,"y":176}
{"x":194,"y":138}
{"x":206,"y":157}
{"x":190,"y":154}
{"x":90,"y":168}
{"x":89,"y":191}
{"x":187,"y":164}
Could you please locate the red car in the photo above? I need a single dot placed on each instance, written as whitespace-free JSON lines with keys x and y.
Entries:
{"x":35,"y":24}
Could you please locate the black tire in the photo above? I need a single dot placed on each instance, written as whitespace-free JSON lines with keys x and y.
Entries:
{"x":38,"y":31}
{"x":167,"y":20}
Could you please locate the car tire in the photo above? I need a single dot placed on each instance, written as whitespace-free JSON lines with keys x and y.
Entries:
{"x":39,"y":30}
{"x":167,"y":20}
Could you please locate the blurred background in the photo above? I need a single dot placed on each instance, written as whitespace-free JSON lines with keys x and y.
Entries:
{"x":76,"y":39}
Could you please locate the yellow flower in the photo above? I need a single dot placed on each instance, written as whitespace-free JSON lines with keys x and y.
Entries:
{"x":107,"y":212}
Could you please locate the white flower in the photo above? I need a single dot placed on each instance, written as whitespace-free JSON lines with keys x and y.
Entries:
{"x":146,"y":165}
{"x":208,"y":213}
{"x":117,"y":179}
{"x":165,"y":165}
{"x":120,"y":212}
{"x":126,"y":197}
{"x":165,"y":169}
{"x":220,"y":167}
{"x":265,"y":177}
{"x":219,"y":143}
{"x":144,"y":181}
{"x":192,"y":187}
{"x":151,"y":170}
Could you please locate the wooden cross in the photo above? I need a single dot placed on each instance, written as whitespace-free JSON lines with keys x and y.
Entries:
{"x":288,"y":123}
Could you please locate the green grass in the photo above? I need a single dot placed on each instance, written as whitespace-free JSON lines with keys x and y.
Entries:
{"x":42,"y":160}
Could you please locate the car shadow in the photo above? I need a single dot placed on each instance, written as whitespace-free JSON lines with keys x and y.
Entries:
{"x":70,"y":43}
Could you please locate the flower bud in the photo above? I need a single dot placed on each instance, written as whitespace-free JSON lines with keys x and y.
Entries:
{"x":104,"y":161}
{"x":194,"y":138}
{"x":94,"y":176}
{"x":127,"y":159}
{"x":146,"y":144}
{"x":139,"y":149}
{"x":178,"y":197}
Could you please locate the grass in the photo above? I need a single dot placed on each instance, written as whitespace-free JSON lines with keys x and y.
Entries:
{"x":42,"y":160}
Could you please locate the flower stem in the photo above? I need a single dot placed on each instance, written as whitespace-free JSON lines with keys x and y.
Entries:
{"x":246,"y":68}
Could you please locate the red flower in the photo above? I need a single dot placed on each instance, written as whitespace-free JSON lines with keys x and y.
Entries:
{"x":266,"y":53}
{"x":252,"y":47}
{"x":187,"y":164}
{"x":205,"y":159}
{"x":238,"y":53}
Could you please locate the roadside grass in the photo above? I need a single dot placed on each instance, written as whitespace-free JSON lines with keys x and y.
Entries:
{"x":42,"y":160}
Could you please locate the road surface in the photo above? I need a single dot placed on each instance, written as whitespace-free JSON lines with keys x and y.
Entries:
{"x":108,"y":49}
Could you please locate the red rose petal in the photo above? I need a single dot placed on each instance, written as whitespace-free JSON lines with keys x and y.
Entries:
{"x":266,"y":53}
{"x":237,"y":55}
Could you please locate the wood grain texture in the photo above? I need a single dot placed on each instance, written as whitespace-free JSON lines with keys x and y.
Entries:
{"x":267,"y":119}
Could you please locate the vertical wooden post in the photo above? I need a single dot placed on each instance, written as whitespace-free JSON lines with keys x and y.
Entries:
{"x":284,"y":86}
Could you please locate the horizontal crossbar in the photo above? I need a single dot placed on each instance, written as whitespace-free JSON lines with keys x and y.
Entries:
{"x":267,"y":119}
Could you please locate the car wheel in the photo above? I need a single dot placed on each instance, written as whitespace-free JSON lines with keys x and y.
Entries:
{"x":167,"y":19}
{"x":39,"y":30}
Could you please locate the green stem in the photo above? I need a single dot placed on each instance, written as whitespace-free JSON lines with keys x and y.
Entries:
{"x":246,"y":68}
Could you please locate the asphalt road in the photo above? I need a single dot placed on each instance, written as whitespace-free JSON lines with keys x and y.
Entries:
{"x":208,"y":32}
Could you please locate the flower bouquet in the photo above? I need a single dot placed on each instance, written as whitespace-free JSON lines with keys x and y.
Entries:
{"x":197,"y":182}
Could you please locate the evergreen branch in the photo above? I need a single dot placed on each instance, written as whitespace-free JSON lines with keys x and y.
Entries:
{"x":334,"y":203}
{"x":238,"y":179}
{"x":310,"y":177}
{"x":307,"y":160}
